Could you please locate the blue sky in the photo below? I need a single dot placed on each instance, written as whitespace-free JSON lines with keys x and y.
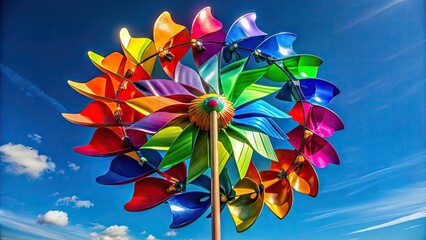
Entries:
{"x":374,"y":51}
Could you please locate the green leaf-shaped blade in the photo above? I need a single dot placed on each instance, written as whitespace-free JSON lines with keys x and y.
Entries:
{"x":229,"y":76}
{"x":242,"y":152}
{"x":181,"y":148}
{"x":164,"y":138}
{"x":245,"y":79}
{"x":302,"y":66}
{"x":200,"y":157}
{"x":260,"y":142}
{"x":254,"y":92}
{"x":224,"y":149}
{"x":276,"y":74}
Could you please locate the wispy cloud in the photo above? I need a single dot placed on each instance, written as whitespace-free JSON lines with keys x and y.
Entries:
{"x":35,"y":137}
{"x":114,"y":232}
{"x":21,"y":159}
{"x":73,"y":166}
{"x":393,"y":205}
{"x":29,"y":88}
{"x":23,"y":227}
{"x":369,"y":15}
{"x":373,"y":178}
{"x":411,"y":217}
{"x":73,"y":200}
{"x":405,"y":50}
{"x":411,"y":227}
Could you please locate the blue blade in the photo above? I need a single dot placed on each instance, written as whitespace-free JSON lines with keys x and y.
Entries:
{"x":316,"y":91}
{"x":259,"y":108}
{"x":263,"y":124}
{"x":153,"y":156}
{"x":202,"y":181}
{"x":188,"y":207}
{"x":124,"y":169}
{"x":278,"y":46}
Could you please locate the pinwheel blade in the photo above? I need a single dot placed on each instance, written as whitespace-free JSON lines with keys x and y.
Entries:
{"x":207,"y":29}
{"x":259,"y":108}
{"x":302,"y":66}
{"x":200,"y":157}
{"x":177,"y":171}
{"x":209,"y":72}
{"x":187,"y":76}
{"x":161,"y":88}
{"x":241,"y":150}
{"x":181,"y":148}
{"x":260,"y":142}
{"x":167,"y":35}
{"x":229,"y":76}
{"x":278,"y":196}
{"x":109,"y":142}
{"x":118,"y":66}
{"x":155,"y":121}
{"x":225,"y":182}
{"x":164,"y":138}
{"x":147,"y":105}
{"x":278,"y":46}
{"x":138,"y":50}
{"x":265,"y":125}
{"x":254,"y":92}
{"x":302,"y":176}
{"x":202,"y":181}
{"x":315,"y":148}
{"x":188,"y":207}
{"x":124,"y":169}
{"x":246,"y":207}
{"x":320,"y":120}
{"x":148,"y":193}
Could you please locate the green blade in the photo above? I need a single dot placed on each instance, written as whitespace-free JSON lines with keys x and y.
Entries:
{"x":181,"y":148}
{"x":276,"y":74}
{"x":164,"y":138}
{"x":303,"y":66}
{"x":242,"y":151}
{"x":245,"y":79}
{"x":210,"y":74}
{"x":254,"y":92}
{"x":229,"y":76}
{"x":224,"y":148}
{"x":200,"y":157}
{"x":260,"y":142}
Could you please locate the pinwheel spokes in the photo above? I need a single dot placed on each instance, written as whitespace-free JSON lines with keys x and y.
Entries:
{"x":136,"y":116}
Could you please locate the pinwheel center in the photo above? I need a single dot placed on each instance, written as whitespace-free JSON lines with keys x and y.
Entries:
{"x":282,"y":174}
{"x":201,"y":107}
{"x":177,"y":187}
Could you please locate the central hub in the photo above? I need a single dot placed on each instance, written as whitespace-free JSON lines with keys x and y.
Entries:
{"x":201,"y":107}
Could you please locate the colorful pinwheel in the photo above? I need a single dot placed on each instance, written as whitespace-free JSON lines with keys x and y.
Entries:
{"x":201,"y":118}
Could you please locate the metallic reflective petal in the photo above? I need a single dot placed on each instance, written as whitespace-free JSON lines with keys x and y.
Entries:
{"x":188,"y":207}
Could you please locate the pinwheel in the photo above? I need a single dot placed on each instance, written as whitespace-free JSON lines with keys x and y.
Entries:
{"x":199,"y":119}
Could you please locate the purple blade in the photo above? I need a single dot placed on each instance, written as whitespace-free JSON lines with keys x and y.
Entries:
{"x":124,"y":169}
{"x":202,"y":56}
{"x":320,"y":120}
{"x":189,"y":77}
{"x":278,"y":46}
{"x":188,"y":207}
{"x":259,"y":108}
{"x":261,"y":123}
{"x":161,"y":87}
{"x":154,"y":122}
{"x":314,"y":147}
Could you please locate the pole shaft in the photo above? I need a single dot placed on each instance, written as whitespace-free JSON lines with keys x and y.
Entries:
{"x":215,"y":186}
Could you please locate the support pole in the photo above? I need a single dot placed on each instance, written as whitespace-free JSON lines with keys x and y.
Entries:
{"x":215,"y":186}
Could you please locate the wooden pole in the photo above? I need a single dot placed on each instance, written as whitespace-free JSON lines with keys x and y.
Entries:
{"x":215,"y":186}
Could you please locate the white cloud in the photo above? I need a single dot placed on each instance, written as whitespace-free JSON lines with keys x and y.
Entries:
{"x":73,"y":166}
{"x":73,"y":200}
{"x":143,"y":232}
{"x":58,"y":218}
{"x":151,"y":237}
{"x":114,"y":232}
{"x":29,"y":88}
{"x":411,"y":217}
{"x":61,"y":171}
{"x":97,"y":226}
{"x":55,"y":194}
{"x":411,"y":227}
{"x":35,"y":137}
{"x":21,"y":159}
{"x":171,"y":233}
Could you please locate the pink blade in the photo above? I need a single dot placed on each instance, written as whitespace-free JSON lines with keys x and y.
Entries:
{"x":314,"y":147}
{"x":204,"y":23}
{"x":320,"y":120}
{"x":149,"y":192}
